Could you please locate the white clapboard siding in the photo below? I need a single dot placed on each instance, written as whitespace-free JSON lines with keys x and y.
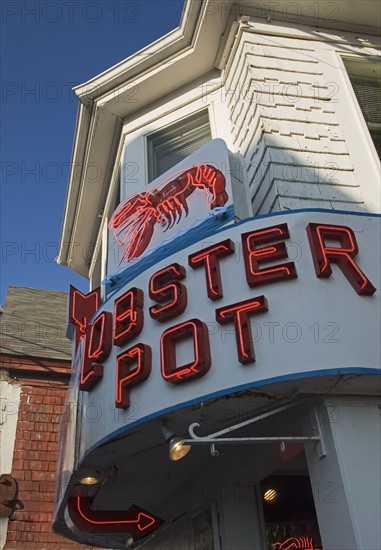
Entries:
{"x":283,"y":122}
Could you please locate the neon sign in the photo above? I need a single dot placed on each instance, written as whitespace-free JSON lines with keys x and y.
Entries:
{"x":128,"y":316}
{"x":135,"y":520}
{"x":167,"y":287}
{"x":302,"y":543}
{"x":125,"y":377}
{"x":254,"y":256}
{"x":209,"y":258}
{"x":239,"y":314}
{"x":134,"y":220}
{"x":81,"y":309}
{"x":343,"y":256}
{"x":98,"y":346}
{"x":198,"y":331}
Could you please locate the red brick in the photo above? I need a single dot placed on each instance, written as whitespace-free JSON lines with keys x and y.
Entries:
{"x":43,"y":517}
{"x":47,"y":486}
{"x":35,"y":455}
{"x":25,"y":426}
{"x":19,"y":444}
{"x":39,"y":391}
{"x":36,"y":465}
{"x":39,"y":437}
{"x":42,"y":426}
{"x":26,"y":436}
{"x":17,"y":464}
{"x":38,"y":476}
{"x":11,"y":536}
{"x":35,"y":527}
{"x":46,"y":507}
{"x":23,"y":398}
{"x":12,"y":525}
{"x":41,"y":445}
{"x":50,"y":400}
{"x":34,"y":398}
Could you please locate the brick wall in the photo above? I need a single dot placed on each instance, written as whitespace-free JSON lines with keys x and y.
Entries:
{"x":34,"y":467}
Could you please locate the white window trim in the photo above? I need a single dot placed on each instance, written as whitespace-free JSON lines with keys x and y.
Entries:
{"x":352,"y":125}
{"x":359,"y":113}
{"x":195,"y":100}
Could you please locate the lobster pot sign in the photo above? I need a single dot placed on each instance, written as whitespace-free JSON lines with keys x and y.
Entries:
{"x":188,"y":202}
{"x":233,"y":312}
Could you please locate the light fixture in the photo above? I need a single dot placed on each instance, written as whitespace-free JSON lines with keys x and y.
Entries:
{"x":270,"y":496}
{"x":89,"y":477}
{"x":177,"y":448}
{"x":8,"y":495}
{"x":89,"y":480}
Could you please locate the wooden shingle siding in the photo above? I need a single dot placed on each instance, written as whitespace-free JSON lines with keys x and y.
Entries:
{"x":283,"y":123}
{"x":34,"y":324}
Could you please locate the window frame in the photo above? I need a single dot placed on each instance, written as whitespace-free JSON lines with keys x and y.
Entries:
{"x":188,"y":119}
{"x":351,"y":122}
{"x":373,"y":60}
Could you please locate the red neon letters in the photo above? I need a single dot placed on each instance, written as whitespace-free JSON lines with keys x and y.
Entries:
{"x":239,"y":313}
{"x":169,"y":293}
{"x":343,"y":256}
{"x":164,"y":287}
{"x":254,"y":256}
{"x":128,"y":316}
{"x":100,"y":337}
{"x":209,"y":257}
{"x":98,"y":345}
{"x":125,"y":377}
{"x":198,"y":331}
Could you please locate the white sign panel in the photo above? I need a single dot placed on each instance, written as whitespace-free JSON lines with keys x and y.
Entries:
{"x":279,"y":297}
{"x":192,"y":199}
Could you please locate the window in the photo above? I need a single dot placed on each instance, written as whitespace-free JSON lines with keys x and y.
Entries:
{"x":365,"y":77}
{"x":173,"y":143}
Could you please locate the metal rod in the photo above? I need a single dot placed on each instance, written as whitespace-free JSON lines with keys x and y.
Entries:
{"x":290,"y":439}
{"x":240,"y":425}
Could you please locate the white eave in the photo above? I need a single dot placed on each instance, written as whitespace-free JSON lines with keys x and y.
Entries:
{"x":180,"y":57}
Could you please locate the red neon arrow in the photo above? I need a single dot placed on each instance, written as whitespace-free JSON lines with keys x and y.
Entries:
{"x":135,"y":520}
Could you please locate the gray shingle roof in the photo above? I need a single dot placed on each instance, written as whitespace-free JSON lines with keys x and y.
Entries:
{"x":34,"y":324}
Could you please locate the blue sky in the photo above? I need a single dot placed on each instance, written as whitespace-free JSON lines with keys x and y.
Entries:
{"x":47,"y":48}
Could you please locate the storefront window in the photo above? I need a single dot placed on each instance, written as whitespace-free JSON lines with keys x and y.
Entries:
{"x":289,"y":511}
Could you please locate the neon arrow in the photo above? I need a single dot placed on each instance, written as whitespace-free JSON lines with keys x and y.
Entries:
{"x":135,"y":520}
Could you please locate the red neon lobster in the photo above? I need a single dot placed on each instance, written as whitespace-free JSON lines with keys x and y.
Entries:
{"x":303,"y":543}
{"x":134,"y":219}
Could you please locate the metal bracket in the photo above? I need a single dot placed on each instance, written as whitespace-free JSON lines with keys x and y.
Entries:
{"x":215,"y":438}
{"x":320,"y":447}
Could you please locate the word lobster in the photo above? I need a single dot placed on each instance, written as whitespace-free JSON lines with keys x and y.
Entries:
{"x":134,"y":220}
